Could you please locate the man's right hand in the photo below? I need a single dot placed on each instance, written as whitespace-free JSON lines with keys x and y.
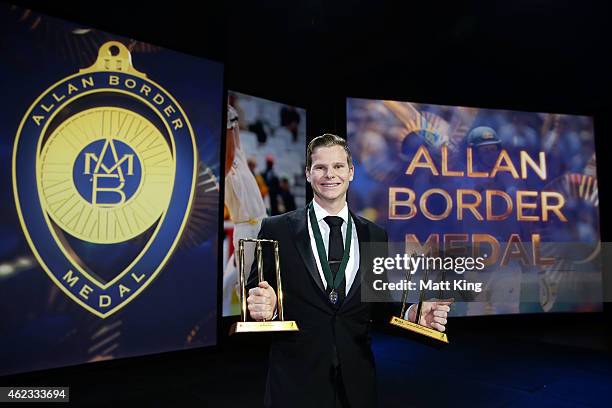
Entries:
{"x":262,"y":302}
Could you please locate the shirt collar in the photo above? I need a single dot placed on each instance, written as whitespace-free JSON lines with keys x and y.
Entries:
{"x":321,"y":212}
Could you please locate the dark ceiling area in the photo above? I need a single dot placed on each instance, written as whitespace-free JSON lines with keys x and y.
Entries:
{"x":527,"y":54}
{"x":536,"y":55}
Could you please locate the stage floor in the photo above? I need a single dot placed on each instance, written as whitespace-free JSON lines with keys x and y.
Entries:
{"x":474,"y":370}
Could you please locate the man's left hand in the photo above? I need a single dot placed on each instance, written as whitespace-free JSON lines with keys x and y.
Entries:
{"x":434,"y":313}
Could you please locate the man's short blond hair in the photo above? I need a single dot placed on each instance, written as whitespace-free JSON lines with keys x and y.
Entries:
{"x":327,"y":140}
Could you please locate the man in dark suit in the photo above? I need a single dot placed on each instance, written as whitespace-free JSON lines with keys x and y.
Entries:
{"x":326,"y":252}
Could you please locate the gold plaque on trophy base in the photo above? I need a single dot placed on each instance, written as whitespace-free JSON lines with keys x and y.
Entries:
{"x":417,"y":328}
{"x":267,"y":326}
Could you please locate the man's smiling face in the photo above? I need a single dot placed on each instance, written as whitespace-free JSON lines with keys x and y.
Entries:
{"x":330,"y":173}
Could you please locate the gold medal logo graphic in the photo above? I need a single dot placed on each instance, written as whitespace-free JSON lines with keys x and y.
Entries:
{"x":104,"y":176}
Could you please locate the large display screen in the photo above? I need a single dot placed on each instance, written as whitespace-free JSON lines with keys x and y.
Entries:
{"x":264,"y":175}
{"x":109,"y":209}
{"x":521,"y":187}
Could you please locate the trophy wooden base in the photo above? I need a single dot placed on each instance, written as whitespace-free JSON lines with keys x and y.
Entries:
{"x":269,"y":326}
{"x":417,"y":328}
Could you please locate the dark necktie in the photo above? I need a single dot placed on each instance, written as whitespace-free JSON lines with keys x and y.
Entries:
{"x":335,"y":251}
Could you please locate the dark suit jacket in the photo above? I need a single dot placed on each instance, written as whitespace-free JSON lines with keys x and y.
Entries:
{"x":301,"y":364}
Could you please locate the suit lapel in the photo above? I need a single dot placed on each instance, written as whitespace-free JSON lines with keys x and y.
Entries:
{"x":299,"y":226}
{"x":363,"y":236}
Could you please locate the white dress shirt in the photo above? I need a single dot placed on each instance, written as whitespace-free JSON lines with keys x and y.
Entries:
{"x":353,"y":262}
